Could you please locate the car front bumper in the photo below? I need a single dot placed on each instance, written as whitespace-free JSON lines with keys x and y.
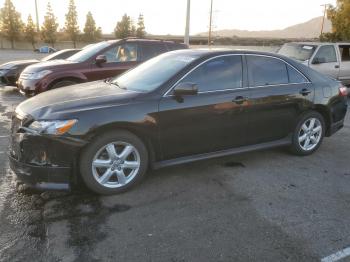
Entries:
{"x":44,"y":162}
{"x":33,"y":86}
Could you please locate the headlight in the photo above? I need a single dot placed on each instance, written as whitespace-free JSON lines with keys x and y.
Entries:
{"x":37,"y":75}
{"x":55,"y":127}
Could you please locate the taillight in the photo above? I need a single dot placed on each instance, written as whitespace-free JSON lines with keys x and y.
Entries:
{"x":343,"y":90}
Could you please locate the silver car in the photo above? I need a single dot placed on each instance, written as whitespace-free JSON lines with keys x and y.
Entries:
{"x":332,"y":59}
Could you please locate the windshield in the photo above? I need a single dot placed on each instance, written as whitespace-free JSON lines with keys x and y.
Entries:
{"x":301,"y":52}
{"x":155,"y":72}
{"x":88,"y":52}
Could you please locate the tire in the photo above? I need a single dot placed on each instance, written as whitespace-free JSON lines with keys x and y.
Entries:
{"x":63,"y":83}
{"x":111,"y":173}
{"x":310,"y":140}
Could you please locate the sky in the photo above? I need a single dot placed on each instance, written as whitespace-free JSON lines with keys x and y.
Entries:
{"x":168,"y":16}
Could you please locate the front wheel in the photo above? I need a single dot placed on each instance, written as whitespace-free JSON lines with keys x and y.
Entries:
{"x":308,"y":134}
{"x":114,"y":162}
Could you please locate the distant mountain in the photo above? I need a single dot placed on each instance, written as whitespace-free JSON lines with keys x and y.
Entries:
{"x":309,"y":29}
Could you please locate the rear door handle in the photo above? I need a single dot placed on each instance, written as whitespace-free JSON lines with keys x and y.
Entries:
{"x":240,"y":99}
{"x":305,"y":92}
{"x":337,"y":66}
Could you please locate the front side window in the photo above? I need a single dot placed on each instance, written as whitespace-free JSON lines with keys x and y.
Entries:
{"x":326,"y":54}
{"x":122,"y":53}
{"x":217,"y":74}
{"x":266,"y":71}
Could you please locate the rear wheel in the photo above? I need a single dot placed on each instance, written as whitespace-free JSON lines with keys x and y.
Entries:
{"x":114,"y":162}
{"x":308,"y":134}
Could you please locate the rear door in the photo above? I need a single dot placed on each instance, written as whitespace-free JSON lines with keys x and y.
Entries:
{"x":344,"y":72}
{"x":212,"y":120}
{"x":326,"y":61}
{"x":278,"y":93}
{"x":120,"y":58}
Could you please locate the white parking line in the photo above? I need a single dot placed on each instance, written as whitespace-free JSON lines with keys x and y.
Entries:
{"x":4,"y":136}
{"x":337,"y":256}
{"x":1,"y":152}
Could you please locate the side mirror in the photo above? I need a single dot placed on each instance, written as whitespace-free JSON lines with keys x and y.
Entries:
{"x":319,"y":60}
{"x":185,"y":89}
{"x":100,"y":59}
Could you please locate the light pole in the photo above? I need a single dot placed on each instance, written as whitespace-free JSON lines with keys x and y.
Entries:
{"x":210,"y":22}
{"x":37,"y":16}
{"x":188,"y":17}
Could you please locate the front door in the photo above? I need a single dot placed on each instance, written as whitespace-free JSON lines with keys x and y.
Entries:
{"x":120,"y":58}
{"x":211,"y":120}
{"x":326,"y":61}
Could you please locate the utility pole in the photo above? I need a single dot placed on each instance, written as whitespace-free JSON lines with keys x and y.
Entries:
{"x":37,"y":16}
{"x":210,"y":22}
{"x":324,"y":17}
{"x":187,"y":30}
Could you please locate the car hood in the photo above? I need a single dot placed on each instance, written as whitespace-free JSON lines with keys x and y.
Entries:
{"x":46,"y":65}
{"x":66,"y":101}
{"x":13,"y":64}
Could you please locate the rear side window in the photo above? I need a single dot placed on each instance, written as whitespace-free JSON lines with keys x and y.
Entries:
{"x":266,"y":71}
{"x":295,"y":77}
{"x":217,"y":74}
{"x":326,"y":54}
{"x":150,"y":50}
{"x":345,"y":52}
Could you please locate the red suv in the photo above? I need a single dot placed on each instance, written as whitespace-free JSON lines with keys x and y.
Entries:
{"x":98,"y":61}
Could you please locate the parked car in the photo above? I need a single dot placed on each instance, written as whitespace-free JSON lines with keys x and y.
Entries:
{"x":332,"y":59}
{"x":99,"y":61}
{"x":9,"y":72}
{"x":45,"y":50}
{"x":178,"y":107}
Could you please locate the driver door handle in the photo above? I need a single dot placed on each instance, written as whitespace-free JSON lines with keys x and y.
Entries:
{"x":305,"y":92}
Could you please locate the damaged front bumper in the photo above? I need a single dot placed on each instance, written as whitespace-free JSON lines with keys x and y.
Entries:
{"x":44,"y":162}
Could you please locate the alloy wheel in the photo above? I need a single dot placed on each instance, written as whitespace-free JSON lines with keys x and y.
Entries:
{"x":116,"y":164}
{"x":310,"y":134}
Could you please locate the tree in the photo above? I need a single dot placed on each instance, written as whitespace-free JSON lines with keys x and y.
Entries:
{"x":30,"y":31}
{"x":10,"y":22}
{"x":340,"y":18}
{"x":124,"y":27}
{"x":140,"y":31}
{"x":71,"y":26}
{"x":49,"y":27}
{"x":91,"y":32}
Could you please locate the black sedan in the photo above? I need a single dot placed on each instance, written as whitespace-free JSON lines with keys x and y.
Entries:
{"x":179,"y":107}
{"x":9,"y":72}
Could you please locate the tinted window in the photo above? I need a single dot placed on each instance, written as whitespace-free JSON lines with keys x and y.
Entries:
{"x":122,"y":53}
{"x":345,"y":52}
{"x":217,"y":74}
{"x":150,"y":50}
{"x":266,"y":71}
{"x":326,"y":54}
{"x":295,"y":77}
